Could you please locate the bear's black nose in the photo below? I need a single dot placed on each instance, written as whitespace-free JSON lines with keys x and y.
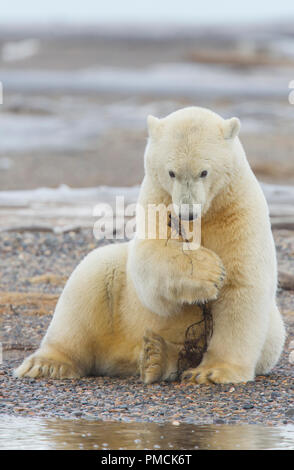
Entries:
{"x":190,"y":216}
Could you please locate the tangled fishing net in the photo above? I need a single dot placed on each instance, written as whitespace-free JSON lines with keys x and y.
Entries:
{"x":197,"y":338}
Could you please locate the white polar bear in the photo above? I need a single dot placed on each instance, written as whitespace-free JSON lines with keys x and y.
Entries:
{"x":126,"y":307}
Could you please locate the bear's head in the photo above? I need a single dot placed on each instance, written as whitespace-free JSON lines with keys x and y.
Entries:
{"x":192,"y":154}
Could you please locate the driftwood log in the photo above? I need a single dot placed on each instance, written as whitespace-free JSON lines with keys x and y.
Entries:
{"x":64,"y":209}
{"x":286,"y":280}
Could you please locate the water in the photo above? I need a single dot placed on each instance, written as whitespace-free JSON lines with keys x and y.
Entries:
{"x":39,"y":433}
{"x":76,"y":125}
{"x":173,"y":79}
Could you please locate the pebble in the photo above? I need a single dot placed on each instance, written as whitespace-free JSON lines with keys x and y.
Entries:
{"x":290,"y":413}
{"x":248,"y":406}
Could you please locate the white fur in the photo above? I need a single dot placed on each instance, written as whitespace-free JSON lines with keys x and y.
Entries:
{"x":119,"y":292}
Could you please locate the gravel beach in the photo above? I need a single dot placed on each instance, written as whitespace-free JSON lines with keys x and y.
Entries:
{"x":33,"y":269}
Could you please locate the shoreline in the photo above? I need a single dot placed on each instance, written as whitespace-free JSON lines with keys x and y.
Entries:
{"x":66,"y":209}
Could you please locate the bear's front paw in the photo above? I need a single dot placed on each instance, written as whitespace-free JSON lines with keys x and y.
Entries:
{"x":153,"y":358}
{"x":218,"y":374}
{"x":208,"y":291}
{"x":205,"y":280}
{"x":209,"y":274}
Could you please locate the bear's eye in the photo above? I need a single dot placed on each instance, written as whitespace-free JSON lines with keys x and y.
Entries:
{"x":172,"y":174}
{"x":203,"y":174}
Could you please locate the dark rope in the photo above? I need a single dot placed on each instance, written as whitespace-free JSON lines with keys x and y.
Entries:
{"x":197,"y":338}
{"x":198,"y":334}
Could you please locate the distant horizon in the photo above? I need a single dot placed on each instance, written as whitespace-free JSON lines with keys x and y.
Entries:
{"x":140,"y":26}
{"x":132,"y":12}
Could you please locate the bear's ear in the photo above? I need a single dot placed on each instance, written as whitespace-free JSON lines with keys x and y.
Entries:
{"x":231,"y":128}
{"x":153,"y":125}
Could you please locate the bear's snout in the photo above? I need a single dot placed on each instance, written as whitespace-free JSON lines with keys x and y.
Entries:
{"x":187,"y":212}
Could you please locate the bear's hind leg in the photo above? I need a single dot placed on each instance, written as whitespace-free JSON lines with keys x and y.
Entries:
{"x":273,"y":345}
{"x":159,"y":359}
{"x":48,"y":363}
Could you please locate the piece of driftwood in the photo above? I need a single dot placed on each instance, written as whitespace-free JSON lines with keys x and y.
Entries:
{"x":34,"y":303}
{"x":286,"y":280}
{"x":65,"y":208}
{"x":18,"y":347}
{"x":282,"y":223}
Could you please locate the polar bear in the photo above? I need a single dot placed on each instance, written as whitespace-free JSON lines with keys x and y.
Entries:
{"x":126,"y":307}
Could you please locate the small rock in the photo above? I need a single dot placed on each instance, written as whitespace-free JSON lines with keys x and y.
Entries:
{"x":290,"y":413}
{"x":248,"y":406}
{"x":286,"y":280}
{"x":218,"y":421}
